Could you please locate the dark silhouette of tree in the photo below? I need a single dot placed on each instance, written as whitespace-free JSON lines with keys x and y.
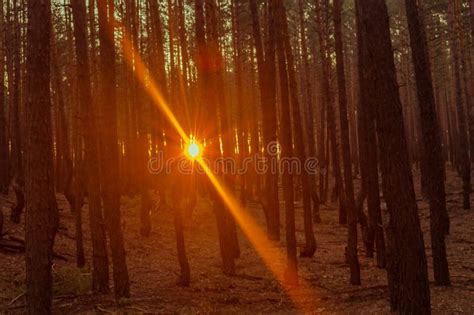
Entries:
{"x":14,"y":76}
{"x":407,"y":271}
{"x":4,"y":152}
{"x":459,"y":67}
{"x":41,"y":207}
{"x":346,"y":149}
{"x":110,"y":155}
{"x":309,"y":115}
{"x":265,"y":53}
{"x":432,"y":143}
{"x":291,"y":272}
{"x":300,"y":151}
{"x":100,"y":277}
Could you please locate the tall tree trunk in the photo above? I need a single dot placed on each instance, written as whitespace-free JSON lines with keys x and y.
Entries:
{"x":470,"y":90}
{"x":141,"y":146}
{"x":225,"y":130}
{"x":15,"y":125}
{"x":100,"y":271}
{"x":471,"y":16}
{"x":309,"y":117}
{"x":41,"y":207}
{"x":291,"y":273}
{"x":346,"y":150}
{"x":110,"y":154}
{"x":407,"y":271}
{"x":75,"y":192}
{"x":4,"y":151}
{"x":64,"y":163}
{"x":369,"y":173}
{"x":68,"y":134}
{"x":177,"y":193}
{"x":432,"y":142}
{"x":324,"y":90}
{"x":241,"y":131}
{"x":229,"y":242}
{"x":270,"y":127}
{"x":456,"y":49}
{"x":310,"y":246}
{"x":266,"y":71}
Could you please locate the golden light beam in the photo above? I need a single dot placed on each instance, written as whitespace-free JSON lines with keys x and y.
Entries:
{"x":152,"y":88}
{"x":298,"y":295}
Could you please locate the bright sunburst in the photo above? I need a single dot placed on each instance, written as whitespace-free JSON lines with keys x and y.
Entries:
{"x":193,"y":150}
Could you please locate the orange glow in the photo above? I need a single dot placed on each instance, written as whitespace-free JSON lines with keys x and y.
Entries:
{"x":302,"y":295}
{"x":193,"y":149}
{"x":273,"y":257}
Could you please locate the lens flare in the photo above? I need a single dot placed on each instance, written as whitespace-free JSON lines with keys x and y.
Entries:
{"x":193,"y":150}
{"x":302,"y":295}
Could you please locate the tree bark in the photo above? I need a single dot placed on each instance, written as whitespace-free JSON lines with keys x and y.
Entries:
{"x":208,"y":61}
{"x":266,"y":71}
{"x":310,"y":246}
{"x":471,"y":109}
{"x":291,"y":272}
{"x":41,"y":207}
{"x":110,"y":154}
{"x":4,"y":151}
{"x":463,"y":145}
{"x":18,"y":181}
{"x":346,"y":150}
{"x":309,"y":117}
{"x":100,"y":270}
{"x":432,"y":143}
{"x":324,"y":86}
{"x":407,"y":271}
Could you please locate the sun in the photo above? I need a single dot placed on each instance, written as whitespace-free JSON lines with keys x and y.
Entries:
{"x":193,"y":150}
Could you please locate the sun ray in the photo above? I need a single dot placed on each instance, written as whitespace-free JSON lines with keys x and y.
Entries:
{"x":302,"y":295}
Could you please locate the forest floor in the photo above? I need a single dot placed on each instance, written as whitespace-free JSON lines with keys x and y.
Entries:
{"x":153,"y":267}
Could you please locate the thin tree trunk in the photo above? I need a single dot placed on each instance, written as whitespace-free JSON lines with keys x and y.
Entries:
{"x":291,"y":273}
{"x":225,"y":130}
{"x":100,"y":270}
{"x":141,"y":146}
{"x":15,"y":125}
{"x":41,"y":207}
{"x":241,"y":132}
{"x":323,"y":148}
{"x":309,"y":117}
{"x":177,"y":193}
{"x":266,"y":72}
{"x":110,"y":154}
{"x":470,"y":61}
{"x":64,"y":163}
{"x":432,"y":143}
{"x":465,"y":164}
{"x":407,"y":271}
{"x":310,"y":246}
{"x":346,"y":154}
{"x":4,"y":151}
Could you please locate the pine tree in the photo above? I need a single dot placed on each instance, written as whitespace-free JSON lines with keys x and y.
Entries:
{"x":346,"y":150}
{"x":4,"y":154}
{"x":291,"y":273}
{"x":100,"y":271}
{"x":41,"y":207}
{"x":407,"y":271}
{"x":110,"y":154}
{"x":432,"y":143}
